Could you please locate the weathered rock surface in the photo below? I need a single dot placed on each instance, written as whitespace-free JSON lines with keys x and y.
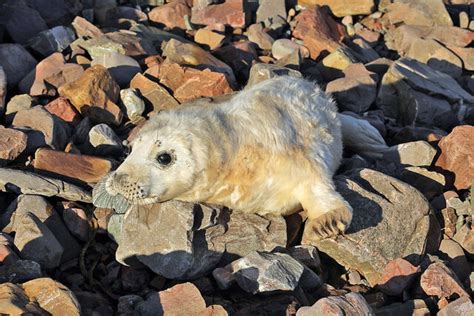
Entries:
{"x":459,"y":307}
{"x":417,"y":12}
{"x":104,"y":140}
{"x":345,"y":7}
{"x":63,"y":109}
{"x":375,"y":236}
{"x":397,"y":275}
{"x":121,"y":67}
{"x":457,"y":155}
{"x":230,"y":12}
{"x":12,"y":144}
{"x":438,"y":280}
{"x":171,"y":14}
{"x":350,"y":304}
{"x":156,"y":96}
{"x":419,"y":153}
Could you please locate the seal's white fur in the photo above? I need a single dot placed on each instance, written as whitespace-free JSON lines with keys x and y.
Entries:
{"x":270,"y":149}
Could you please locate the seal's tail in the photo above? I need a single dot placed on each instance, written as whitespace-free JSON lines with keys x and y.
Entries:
{"x":361,"y":137}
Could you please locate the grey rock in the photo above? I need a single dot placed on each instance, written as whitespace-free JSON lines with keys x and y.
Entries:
{"x":81,"y":131}
{"x":465,"y":238}
{"x":419,"y":153}
{"x":430,"y":183}
{"x":260,"y":272}
{"x":36,"y":242}
{"x":376,"y":235}
{"x":460,"y":307}
{"x":284,"y":47}
{"x":122,"y":68}
{"x":24,"y":182}
{"x":351,"y":304}
{"x":53,"y":40}
{"x":269,"y":9}
{"x":20,"y":102}
{"x":16,"y":62}
{"x":21,"y":22}
{"x":133,"y":104}
{"x":104,"y":140}
{"x":307,"y":255}
{"x":260,"y":72}
{"x":451,"y":251}
{"x":22,"y":271}
{"x":98,"y":46}
{"x":56,"y":12}
{"x":257,"y":35}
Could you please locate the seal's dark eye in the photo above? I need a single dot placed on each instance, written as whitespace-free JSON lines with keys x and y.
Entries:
{"x":164,"y":159}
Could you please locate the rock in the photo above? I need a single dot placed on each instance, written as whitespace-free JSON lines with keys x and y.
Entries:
{"x":133,"y":104}
{"x":36,"y":242}
{"x":98,"y":46}
{"x":351,"y":304}
{"x":84,"y":28}
{"x":77,"y":221}
{"x":57,"y":11}
{"x":62,"y":108}
{"x":171,"y":14}
{"x":430,"y":183}
{"x":134,"y":280}
{"x":415,"y":307}
{"x":417,"y":12}
{"x":397,"y":276}
{"x":270,"y":9}
{"x":401,"y":94}
{"x":122,"y":68}
{"x":459,"y":307}
{"x":13,"y":301}
{"x":334,"y":64}
{"x":3,"y":90}
{"x":55,"y":131}
{"x":380,"y":204}
{"x":343,"y":8}
{"x":456,"y":260}
{"x":23,"y":182}
{"x":466,"y":55}
{"x":16,"y":62}
{"x":104,"y":140}
{"x":261,"y":72}
{"x":186,"y":54}
{"x":95,"y":94}
{"x":22,"y":271}
{"x":128,"y":303}
{"x":156,"y":96}
{"x":52,"y":296}
{"x":189,"y":83}
{"x":419,"y":153}
{"x":436,"y":56}
{"x":318,"y":30}
{"x":12,"y":144}
{"x":50,"y":73}
{"x":260,"y":272}
{"x":356,"y":91}
{"x":457,"y":155}
{"x":307,"y":255}
{"x":85,"y":168}
{"x":410,"y":133}
{"x":465,"y":238}
{"x":22,"y":22}
{"x":240,"y":56}
{"x":231,"y":12}
{"x":257,"y":35}
{"x":20,"y":102}
{"x":53,"y":40}
{"x":438,"y":280}
{"x":207,"y":37}
{"x":283,"y":47}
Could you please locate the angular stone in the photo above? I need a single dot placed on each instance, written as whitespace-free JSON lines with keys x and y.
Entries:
{"x":52,"y":296}
{"x":466,"y":55}
{"x":63,"y":109}
{"x":419,"y":153}
{"x":261,"y":72}
{"x":95,"y":95}
{"x":16,"y":62}
{"x":156,"y":95}
{"x":23,"y":270}
{"x":397,"y":276}
{"x":77,"y":221}
{"x":55,"y":131}
{"x":430,"y":183}
{"x":459,"y":307}
{"x":12,"y":144}
{"x":351,"y":304}
{"x":85,"y":168}
{"x":356,"y":91}
{"x":207,"y":37}
{"x":133,"y":104}
{"x":23,"y":182}
{"x":318,"y":30}
{"x":122,"y":68}
{"x":345,"y":7}
{"x":452,"y":252}
{"x":260,"y":272}
{"x":457,"y":155}
{"x":13,"y":301}
{"x":465,"y":237}
{"x":231,"y":12}
{"x":418,"y":12}
{"x":307,"y":255}
{"x":53,"y":40}
{"x":100,"y":45}
{"x":189,"y":83}
{"x":438,"y":280}
{"x":270,"y":9}
{"x":22,"y":22}
{"x":257,"y":35}
{"x":284,"y":47}
{"x":375,"y":236}
{"x":171,"y":14}
{"x":104,"y":140}
{"x":84,"y":28}
{"x":20,"y":102}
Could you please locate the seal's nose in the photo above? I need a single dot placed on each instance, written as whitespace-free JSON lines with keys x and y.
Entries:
{"x":128,"y":187}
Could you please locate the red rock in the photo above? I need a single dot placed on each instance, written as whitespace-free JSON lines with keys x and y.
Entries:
{"x":457,"y":155}
{"x":154,"y":93}
{"x":397,"y":276}
{"x":349,"y":304}
{"x":63,"y":109}
{"x":95,"y":95}
{"x":171,"y":300}
{"x":85,"y":28}
{"x":12,"y":144}
{"x":438,"y":280}
{"x":318,"y":30}
{"x":51,"y":73}
{"x":231,"y":12}
{"x":171,"y":14}
{"x":189,"y":83}
{"x":89,"y":169}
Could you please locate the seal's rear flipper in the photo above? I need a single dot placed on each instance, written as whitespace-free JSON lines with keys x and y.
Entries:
{"x":361,"y":137}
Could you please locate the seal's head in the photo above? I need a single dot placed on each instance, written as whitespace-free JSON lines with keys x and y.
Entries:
{"x":161,"y":164}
